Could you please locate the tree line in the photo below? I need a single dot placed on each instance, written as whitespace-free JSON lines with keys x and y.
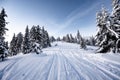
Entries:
{"x":76,"y":39}
{"x":32,"y":41}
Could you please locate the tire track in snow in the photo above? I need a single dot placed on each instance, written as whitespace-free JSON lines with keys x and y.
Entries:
{"x":103,"y":69}
{"x":9,"y":69}
{"x":37,"y":71}
{"x":16,"y":71}
{"x":106,"y":65}
{"x":51,"y":72}
{"x":92,"y":69}
{"x":36,"y":68}
{"x":41,"y":70}
{"x":76,"y":68}
{"x":4,"y":70}
{"x":71,"y":72}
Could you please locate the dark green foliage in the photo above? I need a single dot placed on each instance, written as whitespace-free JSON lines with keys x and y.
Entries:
{"x":3,"y":29}
{"x":26,"y":42}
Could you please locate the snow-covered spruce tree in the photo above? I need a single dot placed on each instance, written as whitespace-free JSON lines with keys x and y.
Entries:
{"x":71,"y":39}
{"x":35,"y":47}
{"x":82,"y":43}
{"x":26,"y":42}
{"x":52,"y":39}
{"x":92,"y":41}
{"x":39,"y":36}
{"x":78,"y":37}
{"x":47,"y":39}
{"x":102,"y":36}
{"x":75,"y":39}
{"x":67,"y":38}
{"x":115,"y":23}
{"x":19,"y":42}
{"x":3,"y":29}
{"x":35,"y":40}
{"x":12,"y":48}
{"x":43,"y":38}
{"x":33,"y":33}
{"x":58,"y":39}
{"x":107,"y":36}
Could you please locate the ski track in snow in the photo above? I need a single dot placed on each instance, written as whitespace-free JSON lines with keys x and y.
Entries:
{"x":63,"y":62}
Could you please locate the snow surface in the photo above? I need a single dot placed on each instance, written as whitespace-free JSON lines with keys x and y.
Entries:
{"x":64,"y":61}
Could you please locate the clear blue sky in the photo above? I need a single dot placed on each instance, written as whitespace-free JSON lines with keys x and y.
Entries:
{"x":59,"y":17}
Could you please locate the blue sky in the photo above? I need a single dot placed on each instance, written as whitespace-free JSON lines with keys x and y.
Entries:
{"x":59,"y":17}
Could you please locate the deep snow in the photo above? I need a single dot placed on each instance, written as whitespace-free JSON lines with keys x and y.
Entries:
{"x":65,"y":61}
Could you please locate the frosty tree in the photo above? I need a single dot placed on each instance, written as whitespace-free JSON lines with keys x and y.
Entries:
{"x":108,"y":36}
{"x":3,"y":29}
{"x":78,"y":37}
{"x":71,"y":38}
{"x":12,"y":48}
{"x":115,"y":23}
{"x":52,"y":39}
{"x":19,"y":42}
{"x":39,"y":38}
{"x":36,"y":47}
{"x":103,"y":32}
{"x":26,"y":42}
{"x":82,"y":43}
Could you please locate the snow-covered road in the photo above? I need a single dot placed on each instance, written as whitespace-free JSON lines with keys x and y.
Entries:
{"x":62,"y":62}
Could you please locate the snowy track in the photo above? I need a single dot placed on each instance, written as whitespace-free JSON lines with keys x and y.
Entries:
{"x":63,"y":62}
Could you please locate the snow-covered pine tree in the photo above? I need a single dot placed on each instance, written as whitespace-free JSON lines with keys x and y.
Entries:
{"x":3,"y":29}
{"x":43,"y":38}
{"x":103,"y":35}
{"x":39,"y":36}
{"x":71,"y":38}
{"x":35,"y":47}
{"x":52,"y":39}
{"x":58,"y":39}
{"x":67,"y":38}
{"x":75,"y":39}
{"x":92,"y":41}
{"x":26,"y":42}
{"x":82,"y":43}
{"x":19,"y":42}
{"x":12,"y":47}
{"x":115,"y":23}
{"x":78,"y":37}
{"x":38,"y":33}
{"x":48,"y":39}
{"x":35,"y":39}
{"x":33,"y":33}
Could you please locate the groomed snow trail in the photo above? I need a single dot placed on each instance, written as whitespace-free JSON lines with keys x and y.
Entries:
{"x":65,"y":61}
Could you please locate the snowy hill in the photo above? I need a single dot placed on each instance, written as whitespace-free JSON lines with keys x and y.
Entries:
{"x":62,"y":61}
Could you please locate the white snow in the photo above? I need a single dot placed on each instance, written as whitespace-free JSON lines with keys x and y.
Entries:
{"x":64,"y":61}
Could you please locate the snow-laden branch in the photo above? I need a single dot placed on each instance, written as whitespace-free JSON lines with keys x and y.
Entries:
{"x":116,"y":35}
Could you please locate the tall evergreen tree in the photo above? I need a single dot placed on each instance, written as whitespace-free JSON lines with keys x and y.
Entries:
{"x":48,"y":39}
{"x":67,"y":39}
{"x":52,"y":39}
{"x":78,"y":37}
{"x":12,"y":48}
{"x":3,"y":29}
{"x":92,"y":41}
{"x":39,"y":36}
{"x":103,"y":35}
{"x":71,"y":38}
{"x":58,"y":39}
{"x":26,"y":41}
{"x":82,"y":43}
{"x":115,"y":23}
{"x":19,"y":42}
